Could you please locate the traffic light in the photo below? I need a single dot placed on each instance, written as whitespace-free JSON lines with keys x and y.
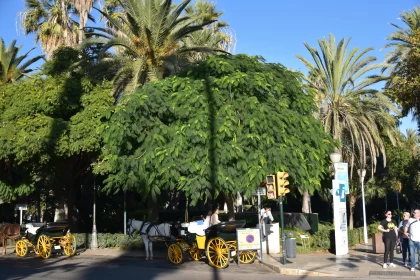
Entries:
{"x":282,"y":183}
{"x":271,"y":186}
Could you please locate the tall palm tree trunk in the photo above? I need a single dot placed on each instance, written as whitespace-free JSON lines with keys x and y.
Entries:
{"x":352,"y":201}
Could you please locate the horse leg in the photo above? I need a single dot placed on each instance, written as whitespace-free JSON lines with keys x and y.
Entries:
{"x":4,"y":245}
{"x":146,"y":246}
{"x":151,"y":250}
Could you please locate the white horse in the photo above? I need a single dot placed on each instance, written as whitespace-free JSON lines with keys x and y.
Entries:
{"x":149,"y":232}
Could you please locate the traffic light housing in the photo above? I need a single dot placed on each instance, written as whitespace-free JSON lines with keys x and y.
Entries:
{"x":282,"y":183}
{"x":271,"y":186}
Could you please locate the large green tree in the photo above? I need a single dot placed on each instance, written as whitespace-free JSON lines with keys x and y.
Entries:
{"x":12,"y":65}
{"x":355,"y":113}
{"x":49,"y":132}
{"x":219,"y":128}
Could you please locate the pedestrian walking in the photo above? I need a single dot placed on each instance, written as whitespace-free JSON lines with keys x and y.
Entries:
{"x":404,"y":239}
{"x":412,"y":231}
{"x":388,"y":227}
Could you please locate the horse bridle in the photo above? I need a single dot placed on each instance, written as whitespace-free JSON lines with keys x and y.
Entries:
{"x":130,"y":226}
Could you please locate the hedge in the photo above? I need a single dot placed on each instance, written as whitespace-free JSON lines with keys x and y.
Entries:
{"x":109,"y":240}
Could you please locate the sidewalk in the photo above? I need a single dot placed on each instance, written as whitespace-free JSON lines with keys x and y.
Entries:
{"x":360,"y":262}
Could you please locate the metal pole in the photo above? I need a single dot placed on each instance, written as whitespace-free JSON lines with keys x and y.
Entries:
{"x":283,"y":235}
{"x":94,"y":244}
{"x":259,"y":223}
{"x":125,"y":214}
{"x":398,"y":205}
{"x":365,"y":236}
{"x":21,"y":212}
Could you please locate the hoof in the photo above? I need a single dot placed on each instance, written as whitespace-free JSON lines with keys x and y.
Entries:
{"x":147,"y":259}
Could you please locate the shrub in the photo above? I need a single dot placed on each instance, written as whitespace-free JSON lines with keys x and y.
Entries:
{"x":322,"y":239}
{"x":109,"y":240}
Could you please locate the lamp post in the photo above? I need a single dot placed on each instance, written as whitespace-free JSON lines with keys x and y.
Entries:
{"x":335,"y":158}
{"x":362,"y":174}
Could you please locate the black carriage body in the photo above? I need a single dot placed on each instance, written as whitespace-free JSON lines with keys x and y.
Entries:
{"x":225,"y":230}
{"x":53,"y":230}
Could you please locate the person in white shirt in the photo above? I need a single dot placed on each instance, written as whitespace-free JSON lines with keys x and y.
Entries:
{"x":214,"y":220}
{"x":206,"y":223}
{"x":404,"y":239}
{"x":412,"y":231}
{"x":266,"y":218}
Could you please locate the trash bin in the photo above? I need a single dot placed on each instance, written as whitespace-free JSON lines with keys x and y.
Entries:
{"x":290,"y":247}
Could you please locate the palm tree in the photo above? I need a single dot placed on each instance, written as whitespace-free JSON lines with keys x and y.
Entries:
{"x":215,"y":36}
{"x":355,"y":114}
{"x":401,"y":38}
{"x":11,"y":69}
{"x":412,"y":142}
{"x":148,"y":36}
{"x":83,"y":7}
{"x":50,"y":21}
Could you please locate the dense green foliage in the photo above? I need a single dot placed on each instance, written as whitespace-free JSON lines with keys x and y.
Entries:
{"x":222,"y":126}
{"x":45,"y":122}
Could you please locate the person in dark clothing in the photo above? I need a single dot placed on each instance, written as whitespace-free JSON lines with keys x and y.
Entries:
{"x":388,"y":227}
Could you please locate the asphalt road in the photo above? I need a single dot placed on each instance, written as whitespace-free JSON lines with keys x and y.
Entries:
{"x":126,"y":268}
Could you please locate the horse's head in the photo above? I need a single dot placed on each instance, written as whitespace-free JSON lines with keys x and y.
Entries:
{"x":130,"y":228}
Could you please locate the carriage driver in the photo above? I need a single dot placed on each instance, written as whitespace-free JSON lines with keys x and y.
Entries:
{"x":214,"y":220}
{"x":206,"y":223}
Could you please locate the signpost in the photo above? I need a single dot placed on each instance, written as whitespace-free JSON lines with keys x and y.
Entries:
{"x":340,"y":218}
{"x":21,"y":207}
{"x":261,"y":190}
{"x":248,"y":239}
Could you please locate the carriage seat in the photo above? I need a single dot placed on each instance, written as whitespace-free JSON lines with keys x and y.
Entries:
{"x":196,"y":228}
{"x":30,"y":228}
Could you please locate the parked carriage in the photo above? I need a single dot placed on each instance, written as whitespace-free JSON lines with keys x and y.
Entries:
{"x":45,"y":239}
{"x":218,"y":245}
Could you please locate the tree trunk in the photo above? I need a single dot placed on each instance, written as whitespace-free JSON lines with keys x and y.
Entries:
{"x":352,"y":205}
{"x":61,"y":209}
{"x":306,"y":202}
{"x":229,"y":202}
{"x":239,"y":203}
{"x":152,"y":210}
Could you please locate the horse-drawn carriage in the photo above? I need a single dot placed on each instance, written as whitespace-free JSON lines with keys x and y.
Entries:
{"x":45,"y":239}
{"x":218,"y":245}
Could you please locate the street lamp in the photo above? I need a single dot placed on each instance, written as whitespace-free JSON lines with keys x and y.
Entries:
{"x":362,"y":174}
{"x":335,"y":158}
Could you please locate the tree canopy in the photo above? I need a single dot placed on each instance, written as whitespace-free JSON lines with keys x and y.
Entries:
{"x":46,"y":121}
{"x":222,"y":126}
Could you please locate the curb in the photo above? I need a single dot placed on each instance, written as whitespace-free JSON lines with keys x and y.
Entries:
{"x":295,"y":271}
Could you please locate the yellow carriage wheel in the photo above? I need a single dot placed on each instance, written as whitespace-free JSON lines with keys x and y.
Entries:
{"x":217,"y":252}
{"x":175,"y":254}
{"x":194,"y":252}
{"x":69,"y":245}
{"x":21,"y":248}
{"x":44,"y":246}
{"x":247,"y":256}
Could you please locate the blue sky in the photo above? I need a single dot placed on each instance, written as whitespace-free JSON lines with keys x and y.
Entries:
{"x":276,"y":29}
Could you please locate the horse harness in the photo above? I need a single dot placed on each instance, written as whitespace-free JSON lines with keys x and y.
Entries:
{"x":145,"y":229}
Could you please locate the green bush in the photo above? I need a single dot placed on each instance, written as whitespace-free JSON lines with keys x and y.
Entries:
{"x":109,"y":240}
{"x":373,"y":228}
{"x":322,"y":239}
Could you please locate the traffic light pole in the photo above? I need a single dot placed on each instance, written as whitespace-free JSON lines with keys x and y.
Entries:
{"x":283,"y":235}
